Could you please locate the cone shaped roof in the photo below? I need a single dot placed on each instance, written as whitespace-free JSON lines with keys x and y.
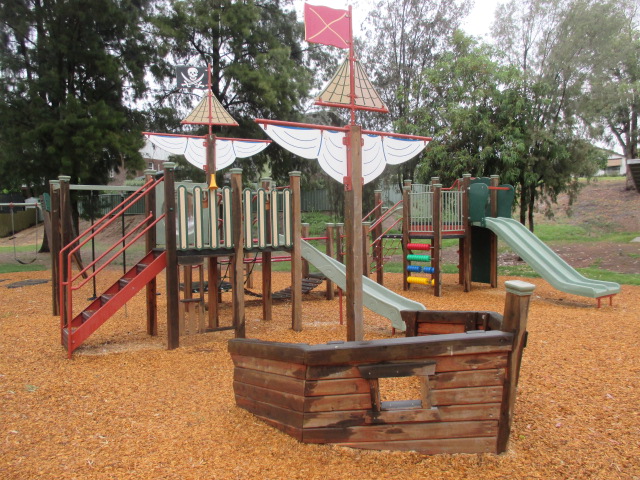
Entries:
{"x":338,"y":91}
{"x":209,"y":111}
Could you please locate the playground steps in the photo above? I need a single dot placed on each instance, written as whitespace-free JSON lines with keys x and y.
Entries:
{"x":107,"y":304}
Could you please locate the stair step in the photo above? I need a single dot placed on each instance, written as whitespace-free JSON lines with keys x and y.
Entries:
{"x":141,"y":266}
{"x":123,"y":282}
{"x":105,"y":298}
{"x":86,"y":315}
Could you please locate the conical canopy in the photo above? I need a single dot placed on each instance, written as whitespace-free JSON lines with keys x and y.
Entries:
{"x":338,"y":91}
{"x":210,"y":112}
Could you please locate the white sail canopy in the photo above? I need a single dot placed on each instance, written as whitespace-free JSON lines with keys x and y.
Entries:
{"x":194,"y":149}
{"x":327,"y":146}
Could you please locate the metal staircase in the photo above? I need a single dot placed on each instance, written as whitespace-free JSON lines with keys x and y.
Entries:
{"x":75,"y":329}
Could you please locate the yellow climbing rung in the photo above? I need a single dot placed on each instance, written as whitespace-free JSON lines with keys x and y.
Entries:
{"x":421,"y":280}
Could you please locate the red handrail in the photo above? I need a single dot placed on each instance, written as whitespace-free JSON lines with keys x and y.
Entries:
{"x":385,"y":232}
{"x":66,"y":285}
{"x":385,"y":215}
{"x":379,"y":205}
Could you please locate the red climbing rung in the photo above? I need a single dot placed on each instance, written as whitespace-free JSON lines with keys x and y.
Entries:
{"x":418,"y":246}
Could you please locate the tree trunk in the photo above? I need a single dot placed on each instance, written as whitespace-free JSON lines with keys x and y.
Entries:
{"x":532,"y":204}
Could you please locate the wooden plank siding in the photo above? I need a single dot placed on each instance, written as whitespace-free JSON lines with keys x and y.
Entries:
{"x":464,"y":370}
{"x":332,"y":403}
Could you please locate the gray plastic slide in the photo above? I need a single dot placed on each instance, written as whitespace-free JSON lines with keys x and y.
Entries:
{"x":375,"y":297}
{"x":546,"y":262}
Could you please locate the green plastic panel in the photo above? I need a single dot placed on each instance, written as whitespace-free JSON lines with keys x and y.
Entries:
{"x":505,"y":201}
{"x":480,"y":255}
{"x":478,"y":200}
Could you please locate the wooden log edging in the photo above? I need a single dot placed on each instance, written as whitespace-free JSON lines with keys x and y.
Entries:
{"x":331,"y":393}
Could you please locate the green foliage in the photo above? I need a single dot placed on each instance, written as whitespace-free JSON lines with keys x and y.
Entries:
{"x":405,"y":37}
{"x":71,"y":70}
{"x":259,"y":68}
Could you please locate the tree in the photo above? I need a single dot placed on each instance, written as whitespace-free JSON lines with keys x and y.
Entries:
{"x":488,"y":122}
{"x":611,"y":59}
{"x":71,"y":72}
{"x":259,"y":68}
{"x":404,"y":38}
{"x":532,"y":36}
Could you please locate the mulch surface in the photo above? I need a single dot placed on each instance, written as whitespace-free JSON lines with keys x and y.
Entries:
{"x":125,"y":407}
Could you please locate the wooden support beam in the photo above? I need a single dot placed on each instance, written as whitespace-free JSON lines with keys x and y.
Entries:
{"x":172,"y":272}
{"x":330,"y":227}
{"x":436,"y":253}
{"x":514,"y":321}
{"x":267,"y":294}
{"x":65,"y":237}
{"x":54,"y":245}
{"x":366,"y":258}
{"x":466,"y":246}
{"x":377,"y":231}
{"x":238,"y":255}
{"x":339,"y":231}
{"x":213,"y":280}
{"x":353,"y":228}
{"x":296,"y":257}
{"x":151,"y":288}
{"x":493,"y":266}
{"x":406,"y":227}
{"x":304,"y":231}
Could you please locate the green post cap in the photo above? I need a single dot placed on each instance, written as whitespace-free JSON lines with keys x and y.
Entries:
{"x":168,"y":165}
{"x":295,"y":174}
{"x":64,"y":178}
{"x":149,"y":171}
{"x":235,"y":171}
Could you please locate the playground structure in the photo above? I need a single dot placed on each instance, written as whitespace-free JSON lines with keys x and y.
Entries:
{"x":476,"y":212}
{"x":465,"y":363}
{"x":202,"y":235}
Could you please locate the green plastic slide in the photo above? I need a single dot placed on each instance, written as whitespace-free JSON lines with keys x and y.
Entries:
{"x":375,"y":297}
{"x":545,"y":261}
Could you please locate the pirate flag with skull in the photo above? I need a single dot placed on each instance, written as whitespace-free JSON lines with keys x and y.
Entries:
{"x":192,"y":78}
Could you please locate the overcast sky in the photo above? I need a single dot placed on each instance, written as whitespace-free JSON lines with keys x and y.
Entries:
{"x":477,"y":23}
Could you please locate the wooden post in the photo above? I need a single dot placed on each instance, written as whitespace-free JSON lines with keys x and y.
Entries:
{"x":466,"y":244}
{"x":436,"y":254}
{"x":493,"y":268}
{"x":267,"y":294}
{"x":213,"y":278}
{"x":329,"y":235}
{"x":238,"y":255}
{"x":304,"y":231}
{"x":54,"y":245}
{"x":172,"y":272}
{"x":376,"y":233}
{"x":65,"y":237}
{"x":366,"y":257}
{"x":406,"y":227}
{"x":514,"y":321}
{"x":150,"y":244}
{"x":296,"y":257}
{"x":339,"y":242}
{"x":353,"y":229}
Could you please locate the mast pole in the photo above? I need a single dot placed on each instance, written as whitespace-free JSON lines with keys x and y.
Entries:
{"x":352,"y":75}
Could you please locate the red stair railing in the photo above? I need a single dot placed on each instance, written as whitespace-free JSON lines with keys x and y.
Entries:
{"x":66,"y":279}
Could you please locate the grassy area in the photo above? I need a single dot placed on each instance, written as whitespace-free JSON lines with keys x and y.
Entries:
{"x":17,"y":267}
{"x":565,"y":233}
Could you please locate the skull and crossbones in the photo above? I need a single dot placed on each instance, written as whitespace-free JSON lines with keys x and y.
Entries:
{"x":192,"y":79}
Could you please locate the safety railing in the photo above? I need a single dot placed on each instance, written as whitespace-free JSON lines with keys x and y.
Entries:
{"x":68,"y":281}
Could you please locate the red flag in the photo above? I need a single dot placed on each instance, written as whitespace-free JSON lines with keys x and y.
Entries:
{"x":327,"y":26}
